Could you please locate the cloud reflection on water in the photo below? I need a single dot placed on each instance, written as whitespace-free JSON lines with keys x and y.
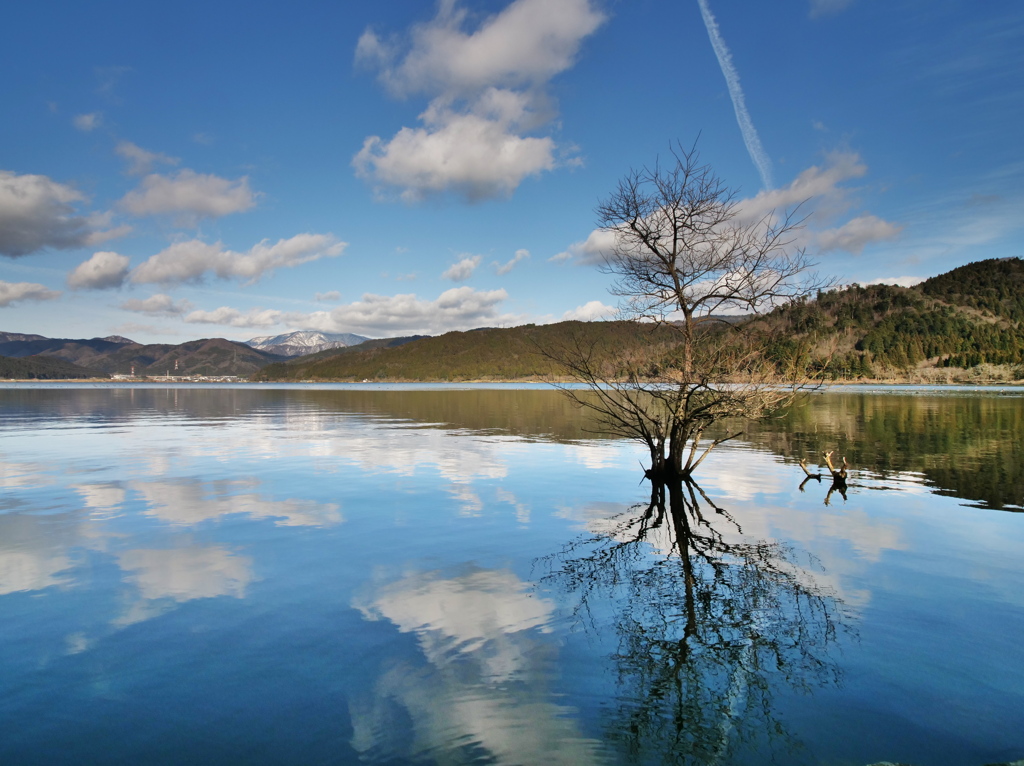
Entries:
{"x":191,"y":501}
{"x":34,"y":553}
{"x":18,"y":475}
{"x":107,"y":498}
{"x":482,"y":682}
{"x":169,"y":576}
{"x":179,"y":515}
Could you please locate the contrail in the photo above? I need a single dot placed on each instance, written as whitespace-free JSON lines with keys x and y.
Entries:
{"x":732,"y":80}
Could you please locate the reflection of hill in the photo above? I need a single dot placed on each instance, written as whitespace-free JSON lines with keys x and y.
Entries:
{"x":541,"y":413}
{"x":967,"y":445}
{"x":531,"y":413}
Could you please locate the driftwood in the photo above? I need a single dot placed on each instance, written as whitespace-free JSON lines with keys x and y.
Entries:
{"x":838,"y":476}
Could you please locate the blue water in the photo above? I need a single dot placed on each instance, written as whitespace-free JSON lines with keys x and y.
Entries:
{"x":292,"y":575}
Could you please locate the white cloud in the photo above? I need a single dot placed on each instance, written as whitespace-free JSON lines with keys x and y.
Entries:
{"x":99,"y":223}
{"x":487,"y":88}
{"x":103,"y":270}
{"x":819,"y":185}
{"x":157,"y":305}
{"x":525,"y":45}
{"x":853,"y":235}
{"x":37,"y":212}
{"x":15,"y":292}
{"x":331,"y":296}
{"x":87,"y":122}
{"x":590,"y":311}
{"x":141,"y":161}
{"x":900,"y":281}
{"x":504,"y":268}
{"x":477,"y":157}
{"x":460,"y":308}
{"x":818,"y":192}
{"x":463,"y":270}
{"x":828,"y":7}
{"x":598,"y":244}
{"x":231,"y":317}
{"x":189,"y":194}
{"x":191,"y":260}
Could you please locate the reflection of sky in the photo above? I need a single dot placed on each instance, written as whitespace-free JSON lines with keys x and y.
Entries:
{"x":485,"y":682}
{"x":189,"y":501}
{"x":34,"y":553}
{"x":14,"y":474}
{"x":166,"y":531}
{"x":935,"y":592}
{"x":846,"y":538}
{"x":179,"y":575}
{"x":462,"y":614}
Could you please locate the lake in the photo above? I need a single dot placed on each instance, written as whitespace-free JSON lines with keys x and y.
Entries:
{"x":416,"y":574}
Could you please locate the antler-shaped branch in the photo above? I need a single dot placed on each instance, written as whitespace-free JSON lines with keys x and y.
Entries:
{"x":836,"y":474}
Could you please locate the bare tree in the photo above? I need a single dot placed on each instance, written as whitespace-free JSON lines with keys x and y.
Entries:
{"x":688,"y":255}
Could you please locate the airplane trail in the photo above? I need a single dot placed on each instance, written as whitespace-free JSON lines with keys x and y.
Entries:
{"x":739,"y":104}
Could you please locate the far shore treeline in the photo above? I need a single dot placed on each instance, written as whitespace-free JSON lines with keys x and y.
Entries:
{"x":965,"y":325}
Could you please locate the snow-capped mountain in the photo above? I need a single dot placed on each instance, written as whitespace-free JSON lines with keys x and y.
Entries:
{"x":304,"y":342}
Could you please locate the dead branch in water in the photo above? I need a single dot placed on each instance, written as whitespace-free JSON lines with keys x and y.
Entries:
{"x":838,"y":476}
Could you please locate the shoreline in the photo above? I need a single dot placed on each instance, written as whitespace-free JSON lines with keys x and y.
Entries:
{"x":483,"y":381}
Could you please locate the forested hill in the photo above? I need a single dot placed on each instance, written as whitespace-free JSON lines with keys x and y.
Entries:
{"x":965,"y":324}
{"x":968,"y":317}
{"x":99,"y":357}
{"x":44,"y":368}
{"x":995,"y":286}
{"x":484,"y":354}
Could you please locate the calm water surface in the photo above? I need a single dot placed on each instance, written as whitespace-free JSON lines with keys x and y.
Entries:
{"x":328,"y":575}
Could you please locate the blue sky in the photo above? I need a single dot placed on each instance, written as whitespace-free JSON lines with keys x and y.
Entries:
{"x":233,"y":169}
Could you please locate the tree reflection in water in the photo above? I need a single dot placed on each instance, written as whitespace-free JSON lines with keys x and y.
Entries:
{"x":710,"y":624}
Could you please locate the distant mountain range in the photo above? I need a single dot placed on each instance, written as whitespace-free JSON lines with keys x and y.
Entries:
{"x":37,"y":357}
{"x":969,"y":319}
{"x":304,"y":342}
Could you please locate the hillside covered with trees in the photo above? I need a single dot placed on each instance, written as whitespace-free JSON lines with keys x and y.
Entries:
{"x":32,"y":356}
{"x":44,"y":368}
{"x":959,"y":321}
{"x":515,"y":353}
{"x":967,"y":324}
